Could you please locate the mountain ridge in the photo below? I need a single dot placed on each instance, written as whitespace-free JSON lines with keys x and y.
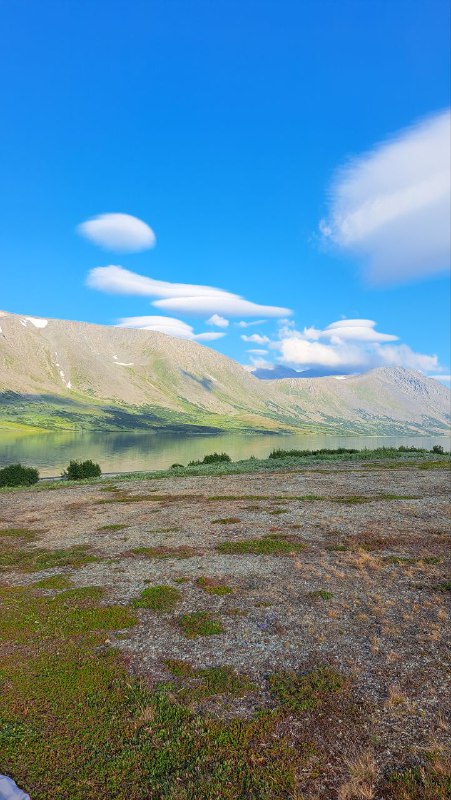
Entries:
{"x":56,"y":373}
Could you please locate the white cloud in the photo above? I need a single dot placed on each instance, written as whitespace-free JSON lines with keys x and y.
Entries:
{"x":255,"y":337}
{"x":348,"y":346}
{"x":257,"y":352}
{"x":180,"y":297}
{"x":243,"y":324}
{"x":392,"y":206}
{"x":169,"y":325}
{"x":360,"y":330}
{"x":219,"y":321}
{"x":119,"y":232}
{"x":230,"y":304}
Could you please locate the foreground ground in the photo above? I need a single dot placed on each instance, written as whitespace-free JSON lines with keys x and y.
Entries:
{"x":271,"y":635}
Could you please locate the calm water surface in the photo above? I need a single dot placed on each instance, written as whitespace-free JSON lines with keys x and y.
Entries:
{"x":124,"y":452}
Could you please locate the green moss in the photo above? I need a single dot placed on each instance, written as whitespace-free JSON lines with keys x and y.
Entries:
{"x":304,"y":692}
{"x":179,"y":668}
{"x":158,"y":598}
{"x":113,"y":527}
{"x":26,"y":616}
{"x":53,"y":582}
{"x":39,"y":559}
{"x":161,"y":551}
{"x":212,"y":586}
{"x":226,"y":521}
{"x":209,"y":681}
{"x":199,"y":623}
{"x":20,"y":533}
{"x":323,"y":594}
{"x":221,"y":680}
{"x":267,"y":545}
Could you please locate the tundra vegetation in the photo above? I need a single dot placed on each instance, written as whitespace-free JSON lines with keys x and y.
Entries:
{"x":262,"y":657}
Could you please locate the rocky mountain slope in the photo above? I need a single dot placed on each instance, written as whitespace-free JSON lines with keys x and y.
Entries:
{"x":55,"y":373}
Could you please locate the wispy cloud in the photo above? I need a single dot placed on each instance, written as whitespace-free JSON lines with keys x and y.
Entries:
{"x":244,"y":324}
{"x":351,"y":345}
{"x":219,"y":321}
{"x":169,"y":325}
{"x":392,"y":206}
{"x":179,"y":297}
{"x":121,"y":233}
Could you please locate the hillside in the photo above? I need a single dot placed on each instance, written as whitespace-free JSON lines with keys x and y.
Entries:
{"x":59,"y":374}
{"x":383,"y":398}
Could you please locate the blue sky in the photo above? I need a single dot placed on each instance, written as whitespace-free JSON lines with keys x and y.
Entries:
{"x":289,"y":153}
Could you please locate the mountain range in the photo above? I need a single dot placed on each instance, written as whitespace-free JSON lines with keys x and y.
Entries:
{"x":61,"y":374}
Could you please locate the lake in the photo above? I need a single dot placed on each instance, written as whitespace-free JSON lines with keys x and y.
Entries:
{"x":130,"y":451}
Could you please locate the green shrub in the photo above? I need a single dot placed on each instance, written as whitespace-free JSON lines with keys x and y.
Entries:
{"x":17,"y":475}
{"x":306,"y":453}
{"x":177,"y":466}
{"x":213,"y":458}
{"x":77,"y":470}
{"x":438,"y":449}
{"x":216,"y":458}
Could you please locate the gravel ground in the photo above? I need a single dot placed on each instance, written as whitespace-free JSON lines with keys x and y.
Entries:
{"x":384,"y":625}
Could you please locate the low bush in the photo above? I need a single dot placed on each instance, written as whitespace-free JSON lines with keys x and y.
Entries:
{"x":306,"y":453}
{"x":212,"y":458}
{"x":77,"y":470}
{"x":17,"y":475}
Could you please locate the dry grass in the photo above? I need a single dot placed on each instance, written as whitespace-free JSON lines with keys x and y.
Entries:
{"x":363,"y":773}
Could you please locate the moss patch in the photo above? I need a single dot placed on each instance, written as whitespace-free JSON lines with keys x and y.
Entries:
{"x":226,"y":521}
{"x":158,"y":598}
{"x":38,"y":559}
{"x":199,"y":623}
{"x":304,"y":692}
{"x":27,"y":616}
{"x":113,"y":527}
{"x":179,"y":668}
{"x":271,"y":545}
{"x":20,"y":533}
{"x":53,"y":582}
{"x":161,"y":551}
{"x":321,"y":594}
{"x":213,"y":586}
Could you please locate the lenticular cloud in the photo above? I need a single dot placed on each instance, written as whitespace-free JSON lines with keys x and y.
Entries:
{"x":184,"y":298}
{"x":392,"y":206}
{"x":121,"y":233}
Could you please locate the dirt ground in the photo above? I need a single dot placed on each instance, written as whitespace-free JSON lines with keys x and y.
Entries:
{"x":366,"y":593}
